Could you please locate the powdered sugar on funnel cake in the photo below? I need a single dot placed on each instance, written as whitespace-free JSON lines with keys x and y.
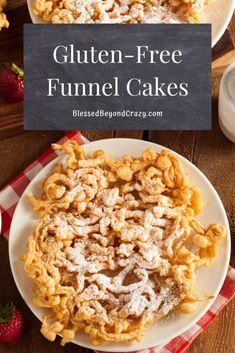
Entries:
{"x":117,"y":244}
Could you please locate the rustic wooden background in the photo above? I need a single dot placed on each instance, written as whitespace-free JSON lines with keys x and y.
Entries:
{"x":210,"y":151}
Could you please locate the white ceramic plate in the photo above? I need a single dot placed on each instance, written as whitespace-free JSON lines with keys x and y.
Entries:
{"x":219,"y":13}
{"x":209,"y":281}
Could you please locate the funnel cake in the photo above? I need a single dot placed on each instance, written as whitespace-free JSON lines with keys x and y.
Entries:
{"x":117,"y":244}
{"x":120,"y":11}
{"x":3,"y":17}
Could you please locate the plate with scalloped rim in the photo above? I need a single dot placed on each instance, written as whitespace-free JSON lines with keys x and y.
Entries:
{"x":218,"y":13}
{"x":209,"y":280}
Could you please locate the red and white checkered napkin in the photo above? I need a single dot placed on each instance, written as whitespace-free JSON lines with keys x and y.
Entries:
{"x":11,"y":194}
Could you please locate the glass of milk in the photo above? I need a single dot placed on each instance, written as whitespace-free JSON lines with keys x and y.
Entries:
{"x":227,"y":103}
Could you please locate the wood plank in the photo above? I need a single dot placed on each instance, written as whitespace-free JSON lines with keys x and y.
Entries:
{"x":224,"y":45}
{"x":231,"y":29}
{"x":218,"y":336}
{"x":11,"y":50}
{"x":17,"y":152}
{"x":219,"y":65}
{"x":218,"y":68}
{"x":11,"y":39}
{"x":182,"y":142}
{"x":73,"y":348}
{"x":137,"y":134}
{"x":11,"y":118}
{"x":14,"y":4}
{"x":215,"y":157}
{"x":93,"y":135}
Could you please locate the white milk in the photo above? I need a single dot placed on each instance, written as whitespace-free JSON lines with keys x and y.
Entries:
{"x":227,"y":103}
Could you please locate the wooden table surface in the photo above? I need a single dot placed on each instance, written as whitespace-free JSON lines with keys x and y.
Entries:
{"x":210,"y":151}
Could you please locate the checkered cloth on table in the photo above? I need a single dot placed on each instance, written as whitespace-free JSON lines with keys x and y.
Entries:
{"x":11,"y":194}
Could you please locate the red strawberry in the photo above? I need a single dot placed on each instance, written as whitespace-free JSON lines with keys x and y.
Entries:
{"x":11,"y":324}
{"x":12,"y":84}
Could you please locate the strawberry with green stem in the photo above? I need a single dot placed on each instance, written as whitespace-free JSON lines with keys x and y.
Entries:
{"x":12,"y":84}
{"x":11,"y":324}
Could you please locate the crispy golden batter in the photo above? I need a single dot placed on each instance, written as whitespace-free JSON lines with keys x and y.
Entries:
{"x":120,"y":11}
{"x":117,"y":244}
{"x":3,"y":17}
